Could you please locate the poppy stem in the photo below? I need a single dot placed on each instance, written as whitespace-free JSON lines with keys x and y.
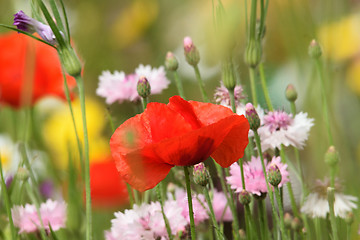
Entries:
{"x":189,"y":197}
{"x":253,"y":86}
{"x":80,"y":84}
{"x":264,"y":87}
{"x":218,"y":233}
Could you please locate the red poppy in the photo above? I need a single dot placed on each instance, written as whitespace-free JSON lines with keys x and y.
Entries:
{"x":181,"y":133}
{"x":29,"y":70}
{"x":107,"y":187}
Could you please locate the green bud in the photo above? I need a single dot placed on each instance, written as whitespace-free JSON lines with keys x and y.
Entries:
{"x":143,"y":87}
{"x":332,"y":157}
{"x":244,"y":197}
{"x":171,"y":63}
{"x":192,"y":55}
{"x":296,"y":224}
{"x":252,"y":117}
{"x":22,"y":174}
{"x":315,"y":49}
{"x":349,"y":218}
{"x":288,"y":220}
{"x":253,"y":53}
{"x":201,"y":174}
{"x":290,"y":93}
{"x":70,"y":61}
{"x":228,"y":76}
{"x":274,"y":175}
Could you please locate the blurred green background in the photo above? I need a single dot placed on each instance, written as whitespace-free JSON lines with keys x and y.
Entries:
{"x":119,"y":35}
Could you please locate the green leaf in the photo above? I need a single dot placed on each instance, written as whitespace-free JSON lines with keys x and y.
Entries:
{"x":66,"y":20}
{"x":57,"y":16}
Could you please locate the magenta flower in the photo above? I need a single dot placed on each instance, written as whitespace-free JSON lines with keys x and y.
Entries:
{"x":254,"y":177}
{"x":52,"y":213}
{"x":119,"y":87}
{"x":25,"y":23}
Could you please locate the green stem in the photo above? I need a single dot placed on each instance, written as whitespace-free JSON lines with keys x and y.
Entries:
{"x":131,"y":199}
{"x":348,"y":231}
{"x":161,"y":200}
{"x":288,"y":185}
{"x":218,"y":234}
{"x":232,"y":100}
{"x":189,"y":197}
{"x":325,"y":103}
{"x":318,"y":228}
{"x":270,"y":192}
{"x":7,"y":203}
{"x":264,"y":87}
{"x":241,"y":163}
{"x":248,"y":231}
{"x":263,"y":219}
{"x":252,"y":86}
{"x":108,"y":115}
{"x":179,"y":85}
{"x":281,"y":212}
{"x":144,"y":102}
{"x":253,"y":19}
{"x":80,"y":84}
{"x":331,"y":200}
{"x":201,"y":84}
{"x":227,"y":191}
{"x":67,"y":94}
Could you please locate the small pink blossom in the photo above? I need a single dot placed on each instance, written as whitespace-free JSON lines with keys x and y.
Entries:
{"x":221,"y":209}
{"x":254,"y":176}
{"x":52,"y":213}
{"x":222,"y":96}
{"x":119,"y":87}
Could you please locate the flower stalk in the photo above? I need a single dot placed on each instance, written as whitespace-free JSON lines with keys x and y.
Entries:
{"x":189,"y":197}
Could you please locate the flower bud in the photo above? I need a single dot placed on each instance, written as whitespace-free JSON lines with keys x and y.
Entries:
{"x":315,"y":49}
{"x":263,"y":31}
{"x":191,"y":53}
{"x":288,"y":220}
{"x":143,"y":87}
{"x":274,"y":175}
{"x":290,"y":93}
{"x":228,"y":76}
{"x":296,"y":224}
{"x":22,"y":174}
{"x":332,"y":157}
{"x":253,"y":53}
{"x":252,"y":117}
{"x":171,"y":187}
{"x":349,"y":219}
{"x":242,"y":234}
{"x":244,"y":197}
{"x":171,"y":63}
{"x":70,"y":61}
{"x":201,"y":175}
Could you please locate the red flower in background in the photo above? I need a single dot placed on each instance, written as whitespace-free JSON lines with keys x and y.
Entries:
{"x":107,"y":187}
{"x":181,"y":133}
{"x":29,"y":70}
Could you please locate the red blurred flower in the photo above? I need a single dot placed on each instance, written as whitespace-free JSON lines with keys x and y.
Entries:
{"x":29,"y":70}
{"x":181,"y":133}
{"x":107,"y":187}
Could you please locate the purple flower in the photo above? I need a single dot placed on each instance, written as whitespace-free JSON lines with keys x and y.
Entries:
{"x":25,"y":23}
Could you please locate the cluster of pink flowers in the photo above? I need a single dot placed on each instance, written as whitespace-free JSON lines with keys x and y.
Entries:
{"x":254,"y":176}
{"x":119,"y":87}
{"x":146,"y":221}
{"x":52,"y":213}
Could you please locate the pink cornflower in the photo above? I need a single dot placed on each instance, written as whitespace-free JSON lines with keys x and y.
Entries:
{"x":119,"y":87}
{"x":254,"y":177}
{"x":279,"y":128}
{"x":222,"y":96}
{"x":146,"y":222}
{"x":221,"y":209}
{"x":199,"y":206}
{"x":52,"y":213}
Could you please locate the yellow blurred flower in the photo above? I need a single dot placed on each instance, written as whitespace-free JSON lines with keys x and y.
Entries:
{"x":60,"y":136}
{"x":133,"y":21}
{"x":340,"y":40}
{"x":353,"y":76}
